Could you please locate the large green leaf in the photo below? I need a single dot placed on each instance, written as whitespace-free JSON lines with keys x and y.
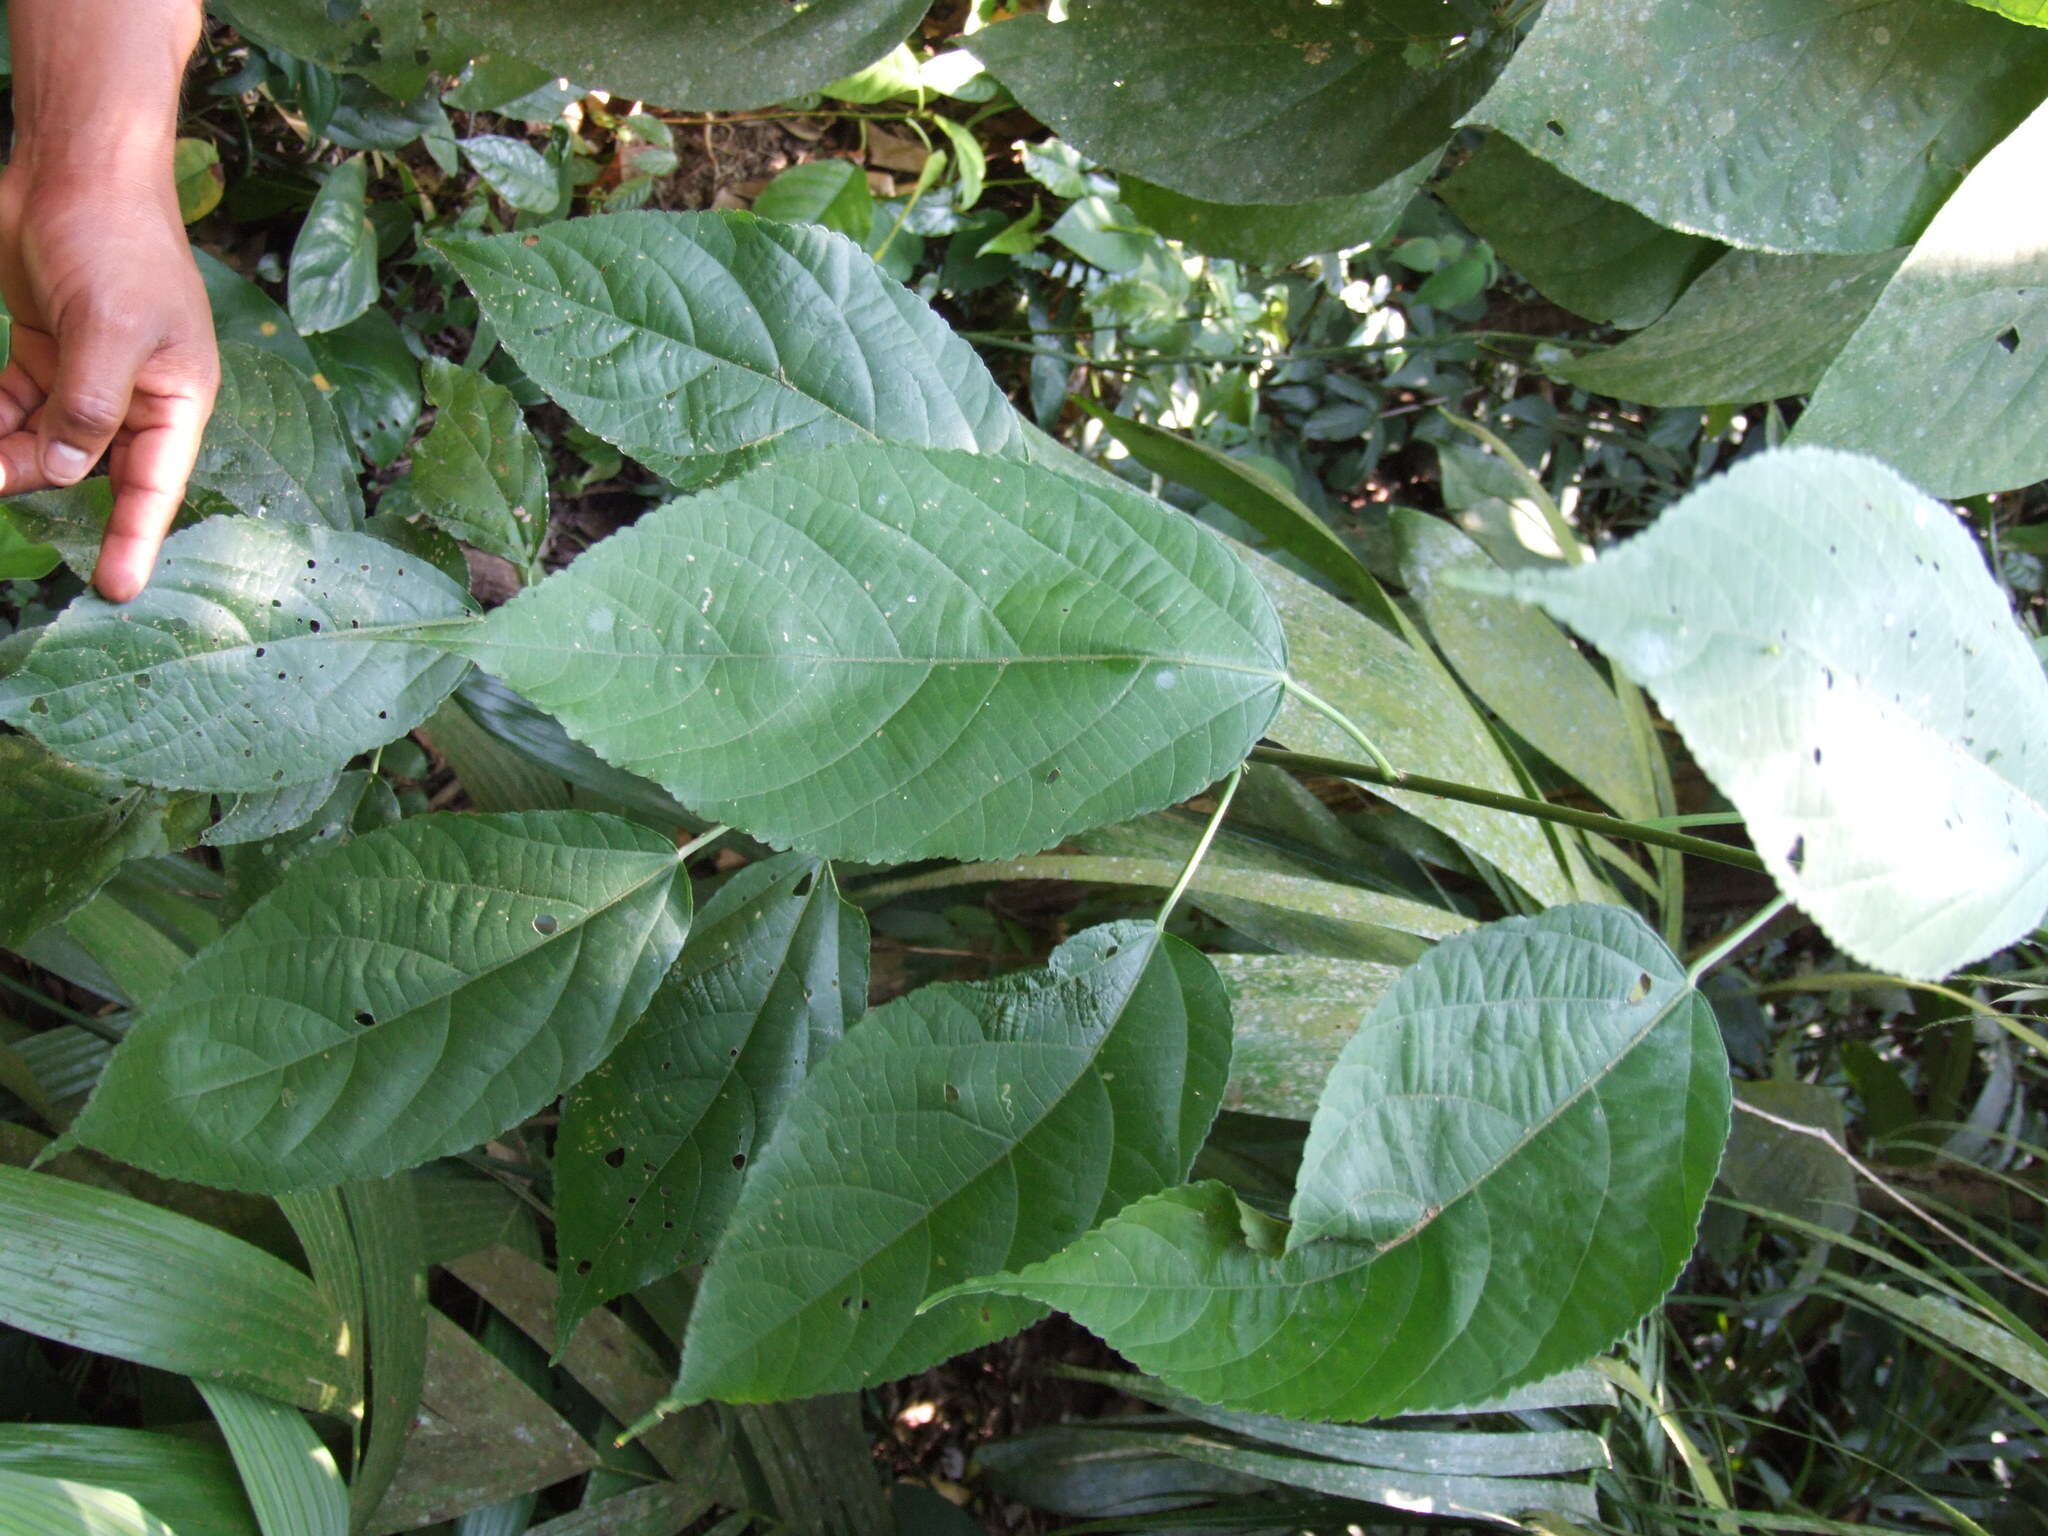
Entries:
{"x":479,"y":474}
{"x":711,"y":55}
{"x":1598,"y":258}
{"x":274,"y":447}
{"x":883,"y":654}
{"x":406,"y":995}
{"x":1947,"y":380}
{"x":653,"y":1142}
{"x":259,"y":655}
{"x":1506,"y":1171}
{"x":245,"y":313}
{"x":1784,"y":125}
{"x":1217,"y":98}
{"x":71,"y":518}
{"x":1753,"y":327}
{"x":1274,"y":234}
{"x":701,"y":342}
{"x":956,"y":1131}
{"x":374,"y":384}
{"x":64,"y":829}
{"x":290,"y":1476}
{"x":89,"y":1268}
{"x":1523,"y":667}
{"x":189,"y":1485}
{"x":1842,"y":665}
{"x":333,"y":273}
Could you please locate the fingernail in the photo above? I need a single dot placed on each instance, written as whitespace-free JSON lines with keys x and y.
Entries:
{"x":63,"y":462}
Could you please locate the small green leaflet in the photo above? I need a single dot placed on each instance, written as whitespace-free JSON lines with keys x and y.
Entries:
{"x":1946,"y":378}
{"x":958,"y":1130}
{"x":833,"y":193}
{"x":333,"y":273}
{"x":65,"y":829}
{"x":654,"y":1142}
{"x":515,"y":170}
{"x":1217,"y":99}
{"x":1751,"y":327}
{"x":1863,"y":696}
{"x":21,"y":559}
{"x":702,"y":342}
{"x":274,"y":446}
{"x":1782,"y":125}
{"x":1506,"y":1170}
{"x":883,"y":654}
{"x":479,"y":474}
{"x":404,"y":996}
{"x":373,"y":384}
{"x":257,"y":656}
{"x":2032,"y":13}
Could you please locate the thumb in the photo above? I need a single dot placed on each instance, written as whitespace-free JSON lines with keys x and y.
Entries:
{"x":97,"y":360}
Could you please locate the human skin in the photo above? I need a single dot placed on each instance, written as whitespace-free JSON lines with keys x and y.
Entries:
{"x":113,"y":349}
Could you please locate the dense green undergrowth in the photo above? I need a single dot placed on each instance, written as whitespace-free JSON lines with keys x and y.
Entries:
{"x":1317,"y":712}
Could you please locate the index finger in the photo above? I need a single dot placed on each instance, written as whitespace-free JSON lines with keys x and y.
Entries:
{"x":150,"y":468}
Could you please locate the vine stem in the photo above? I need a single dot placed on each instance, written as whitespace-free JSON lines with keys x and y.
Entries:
{"x":1743,"y":933}
{"x":698,"y":844}
{"x":1194,"y":863}
{"x":1338,"y":718}
{"x":84,"y":1021}
{"x":1519,"y":805}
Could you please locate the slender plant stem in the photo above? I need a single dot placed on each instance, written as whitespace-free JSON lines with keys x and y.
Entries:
{"x":1187,"y":874}
{"x":698,"y":844}
{"x":1743,"y":933}
{"x":1853,"y":981}
{"x":1520,"y":805}
{"x":1337,"y":717}
{"x":84,"y":1021}
{"x":1892,"y":1192}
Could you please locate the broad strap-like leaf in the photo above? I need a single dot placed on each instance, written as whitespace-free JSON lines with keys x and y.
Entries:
{"x":1291,"y":1018}
{"x":1947,"y":378}
{"x":955,"y":1131}
{"x":1216,"y":98}
{"x":404,"y":996}
{"x":479,"y":474}
{"x":711,"y":55}
{"x":274,"y":447}
{"x":1782,"y":125}
{"x":1841,"y":664}
{"x":88,"y":1268}
{"x":290,"y":1477}
{"x":1506,"y":1170}
{"x":333,"y":272}
{"x":189,"y":1485}
{"x":260,"y":654}
{"x":47,"y":1506}
{"x":1598,"y":258}
{"x":1404,"y":700}
{"x":1522,"y":666}
{"x":65,"y":829}
{"x":700,"y":342}
{"x":654,"y":1142}
{"x":882,"y":653}
{"x":1752,"y":327}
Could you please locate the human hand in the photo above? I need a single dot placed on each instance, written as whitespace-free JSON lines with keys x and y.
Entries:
{"x":113,"y":349}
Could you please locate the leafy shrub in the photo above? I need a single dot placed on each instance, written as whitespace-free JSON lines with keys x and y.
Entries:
{"x":891,"y":638}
